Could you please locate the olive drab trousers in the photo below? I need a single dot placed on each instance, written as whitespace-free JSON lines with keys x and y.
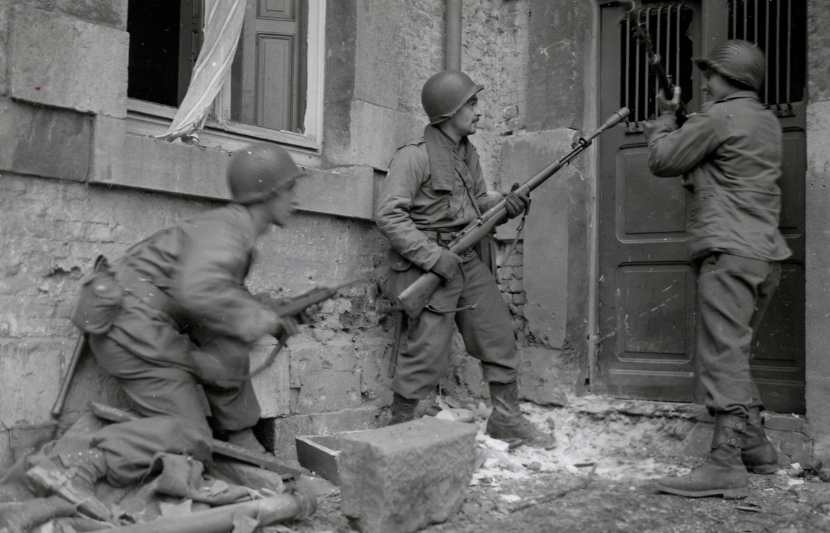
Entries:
{"x":162,"y":372}
{"x":487,"y":331}
{"x":733,"y":293}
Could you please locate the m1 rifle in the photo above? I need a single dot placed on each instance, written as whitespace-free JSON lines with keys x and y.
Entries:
{"x":414,"y":298}
{"x":294,"y":307}
{"x":653,"y":58}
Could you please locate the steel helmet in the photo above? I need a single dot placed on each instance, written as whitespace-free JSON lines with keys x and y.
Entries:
{"x":258,"y":170}
{"x":738,"y":60}
{"x":444,"y":94}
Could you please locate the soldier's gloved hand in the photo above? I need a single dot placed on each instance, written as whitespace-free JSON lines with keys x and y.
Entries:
{"x":668,"y":107}
{"x":447,"y":265}
{"x":515,"y":203}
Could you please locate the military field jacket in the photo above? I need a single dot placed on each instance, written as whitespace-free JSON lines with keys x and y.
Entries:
{"x":730,"y":156}
{"x":410,"y":203}
{"x":202,"y":264}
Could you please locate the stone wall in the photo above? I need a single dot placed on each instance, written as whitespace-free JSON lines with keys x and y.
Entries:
{"x":74,"y":184}
{"x":818,"y":240}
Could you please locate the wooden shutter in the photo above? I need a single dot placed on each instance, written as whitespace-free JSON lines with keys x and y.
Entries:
{"x":266,"y":74}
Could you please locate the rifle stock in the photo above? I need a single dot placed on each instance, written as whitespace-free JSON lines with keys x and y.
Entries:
{"x":414,"y":298}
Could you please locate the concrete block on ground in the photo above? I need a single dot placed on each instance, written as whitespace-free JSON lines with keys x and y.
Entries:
{"x":404,"y":477}
{"x":64,"y":62}
{"x":783,"y":422}
{"x":52,"y":143}
{"x":282,"y":431}
{"x":318,"y":453}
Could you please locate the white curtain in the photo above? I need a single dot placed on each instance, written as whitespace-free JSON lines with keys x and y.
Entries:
{"x":223,"y":25}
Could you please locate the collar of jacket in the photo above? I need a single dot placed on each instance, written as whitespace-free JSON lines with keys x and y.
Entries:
{"x":441,"y":161}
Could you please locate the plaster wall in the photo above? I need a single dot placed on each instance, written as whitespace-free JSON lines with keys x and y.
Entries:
{"x":818,"y":236}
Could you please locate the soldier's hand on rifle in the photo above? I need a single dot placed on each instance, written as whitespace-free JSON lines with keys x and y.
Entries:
{"x":515,"y":203}
{"x":286,"y":326}
{"x":668,"y":107}
{"x":448,"y":265}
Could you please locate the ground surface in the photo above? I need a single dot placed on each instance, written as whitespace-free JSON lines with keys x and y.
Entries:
{"x":600,"y":478}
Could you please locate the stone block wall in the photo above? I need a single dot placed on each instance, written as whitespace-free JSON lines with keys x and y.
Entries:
{"x":74,"y":184}
{"x":818,"y":240}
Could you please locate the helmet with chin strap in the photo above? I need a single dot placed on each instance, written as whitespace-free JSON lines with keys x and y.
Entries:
{"x":445,"y":92}
{"x":257,"y":171}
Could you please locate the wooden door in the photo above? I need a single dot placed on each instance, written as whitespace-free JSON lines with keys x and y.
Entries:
{"x":646,"y":287}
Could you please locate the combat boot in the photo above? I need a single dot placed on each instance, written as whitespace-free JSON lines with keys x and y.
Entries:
{"x":403,"y":409}
{"x":506,"y":422}
{"x":72,"y":476}
{"x":723,"y":473}
{"x":757,"y":453}
{"x":246,"y":439}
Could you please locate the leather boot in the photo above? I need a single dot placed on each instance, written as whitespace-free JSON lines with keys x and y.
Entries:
{"x":246,"y":439}
{"x":758,"y":454}
{"x":506,"y":422}
{"x":723,"y":473}
{"x":403,"y":409}
{"x":72,"y":476}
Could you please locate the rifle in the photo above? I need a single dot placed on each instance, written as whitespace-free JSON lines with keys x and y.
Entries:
{"x":292,"y":307}
{"x":80,"y":344}
{"x":414,"y":298}
{"x":653,"y":58}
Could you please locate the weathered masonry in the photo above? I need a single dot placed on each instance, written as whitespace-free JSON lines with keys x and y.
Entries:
{"x":85,"y":85}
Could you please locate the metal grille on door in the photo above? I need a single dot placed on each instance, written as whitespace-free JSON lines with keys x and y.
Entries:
{"x":668,"y":26}
{"x":777,"y":27}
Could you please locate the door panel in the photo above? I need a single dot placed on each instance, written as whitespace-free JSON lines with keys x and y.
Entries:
{"x":646,"y":287}
{"x":266,"y":73}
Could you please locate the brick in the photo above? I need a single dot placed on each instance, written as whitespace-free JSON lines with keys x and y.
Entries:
{"x":112,"y":13}
{"x":404,"y":477}
{"x":281,"y":432}
{"x":50,"y":143}
{"x":325,"y":391}
{"x":59,"y":61}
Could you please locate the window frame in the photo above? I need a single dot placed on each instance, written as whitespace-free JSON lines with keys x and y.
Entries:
{"x":149,"y":119}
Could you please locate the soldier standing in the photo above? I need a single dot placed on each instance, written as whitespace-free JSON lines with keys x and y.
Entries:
{"x":730,"y":157}
{"x":434,"y":188}
{"x":185,"y":320}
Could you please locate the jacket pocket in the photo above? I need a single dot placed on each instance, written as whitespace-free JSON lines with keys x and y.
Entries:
{"x":99,"y":299}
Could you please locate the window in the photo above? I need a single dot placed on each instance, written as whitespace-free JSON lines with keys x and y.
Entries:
{"x":274,"y":91}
